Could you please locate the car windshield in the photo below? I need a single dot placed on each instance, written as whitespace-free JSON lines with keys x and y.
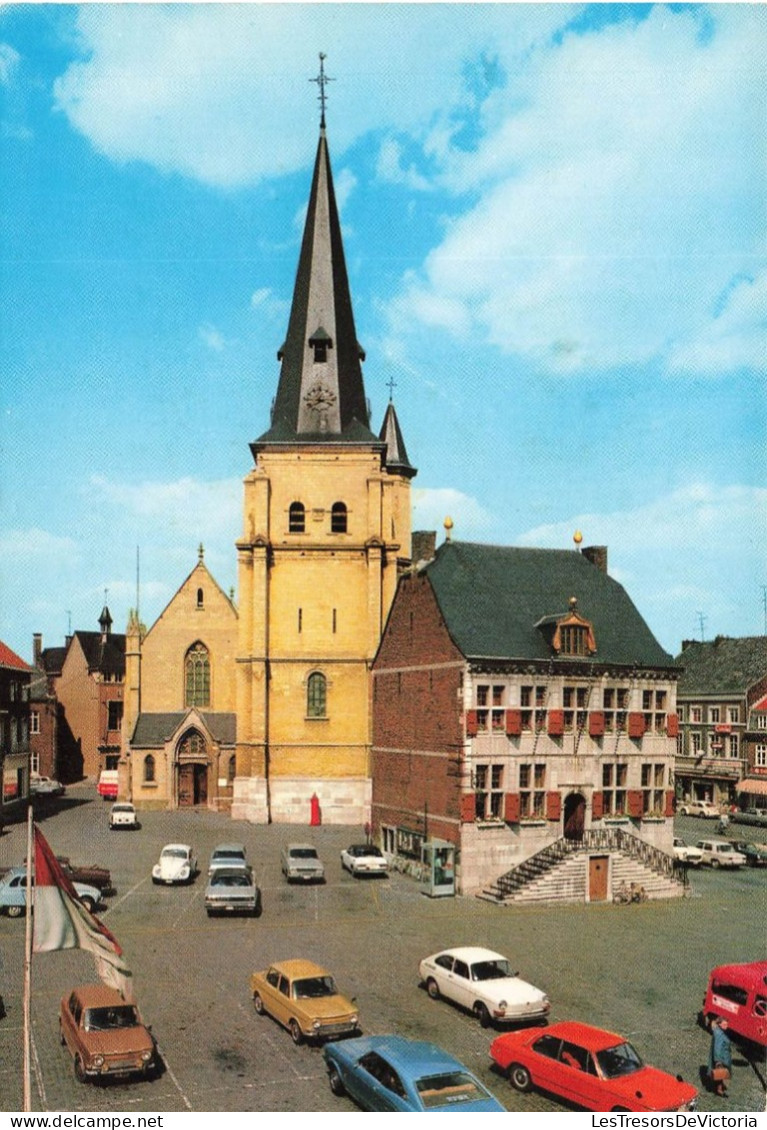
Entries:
{"x":123,"y":808}
{"x":174,"y":853}
{"x":303,"y":853}
{"x":231,"y":879}
{"x":620,"y":1060}
{"x":365,"y":849}
{"x":446,"y":1090}
{"x":118,"y":1016}
{"x":228,"y":853}
{"x":311,"y":988}
{"x":491,"y":969}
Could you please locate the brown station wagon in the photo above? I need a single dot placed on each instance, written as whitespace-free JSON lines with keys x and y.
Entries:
{"x":303,"y":997}
{"x":105,"y":1034}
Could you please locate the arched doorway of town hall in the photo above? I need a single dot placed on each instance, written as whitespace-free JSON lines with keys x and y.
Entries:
{"x":192,"y":762}
{"x":575,"y":816}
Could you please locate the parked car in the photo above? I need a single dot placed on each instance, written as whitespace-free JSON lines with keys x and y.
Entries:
{"x":483,"y":982}
{"x":177,"y":864}
{"x":303,"y":998}
{"x":93,"y":874}
{"x":703,"y":808}
{"x":232,"y":890}
{"x":720,"y":853}
{"x":300,"y":861}
{"x":738,"y":994}
{"x":364,"y":859}
{"x":105,"y":1035}
{"x":227,"y":855}
{"x":123,"y":815}
{"x":13,"y":893}
{"x":685,"y":853}
{"x":390,"y":1073}
{"x":46,"y":786}
{"x":756,"y":854}
{"x":757,"y":816}
{"x":596,"y":1069}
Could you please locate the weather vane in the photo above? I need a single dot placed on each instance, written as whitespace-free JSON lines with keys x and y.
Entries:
{"x":322,"y":79}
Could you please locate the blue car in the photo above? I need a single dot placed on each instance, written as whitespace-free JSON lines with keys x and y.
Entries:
{"x":392,"y":1073}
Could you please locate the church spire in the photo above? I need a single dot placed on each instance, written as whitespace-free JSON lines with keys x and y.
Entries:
{"x":321,"y":395}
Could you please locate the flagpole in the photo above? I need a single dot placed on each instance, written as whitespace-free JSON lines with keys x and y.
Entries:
{"x":28,"y":969}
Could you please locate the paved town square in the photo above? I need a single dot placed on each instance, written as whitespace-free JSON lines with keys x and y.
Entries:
{"x":638,"y":970}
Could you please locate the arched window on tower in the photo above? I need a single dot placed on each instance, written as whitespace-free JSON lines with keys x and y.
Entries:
{"x":296,"y":518}
{"x":149,"y":769}
{"x":200,"y":598}
{"x":316,"y":695}
{"x":197,"y":676}
{"x":338,"y":518}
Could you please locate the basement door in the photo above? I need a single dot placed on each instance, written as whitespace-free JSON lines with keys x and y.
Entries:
{"x":598,"y":870}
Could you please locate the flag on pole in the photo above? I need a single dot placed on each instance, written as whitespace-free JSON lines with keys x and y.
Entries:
{"x":61,"y":922}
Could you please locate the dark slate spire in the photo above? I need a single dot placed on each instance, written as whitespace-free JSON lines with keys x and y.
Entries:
{"x":321,"y":395}
{"x":396,"y":455}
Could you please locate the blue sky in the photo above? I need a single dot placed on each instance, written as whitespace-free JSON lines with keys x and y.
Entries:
{"x":554,"y":220}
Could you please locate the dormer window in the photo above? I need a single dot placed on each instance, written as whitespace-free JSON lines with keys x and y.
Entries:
{"x":570,"y":634}
{"x":320,"y":342}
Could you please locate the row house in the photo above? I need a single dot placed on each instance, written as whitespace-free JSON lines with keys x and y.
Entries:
{"x":722,"y":742}
{"x":15,"y":677}
{"x":518,"y":699}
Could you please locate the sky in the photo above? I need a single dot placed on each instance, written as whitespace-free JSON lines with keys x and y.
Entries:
{"x":554,"y":224}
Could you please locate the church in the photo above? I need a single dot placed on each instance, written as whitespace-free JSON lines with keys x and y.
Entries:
{"x":264,"y":708}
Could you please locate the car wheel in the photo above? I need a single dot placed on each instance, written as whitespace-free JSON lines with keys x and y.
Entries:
{"x":258,"y":1004}
{"x":715,"y":863}
{"x":335,"y":1081}
{"x":432,"y":988}
{"x":620,"y":1110}
{"x":520,"y":1078}
{"x":62,"y":1041}
{"x":14,"y":911}
{"x":80,"y":1075}
{"x":482,"y":1015}
{"x":296,"y":1034}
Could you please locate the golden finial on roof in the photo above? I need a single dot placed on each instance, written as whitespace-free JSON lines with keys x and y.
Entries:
{"x":448,"y":524}
{"x":577,"y":538}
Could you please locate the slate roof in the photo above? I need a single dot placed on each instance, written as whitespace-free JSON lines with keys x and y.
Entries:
{"x":52,"y":659}
{"x":722,"y":666}
{"x":153,"y":730}
{"x":104,"y":655}
{"x":396,"y":454}
{"x":492,"y":597}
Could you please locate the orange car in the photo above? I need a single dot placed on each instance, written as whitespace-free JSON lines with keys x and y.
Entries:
{"x":597,"y":1070}
{"x":105,"y":1034}
{"x":738,"y":994}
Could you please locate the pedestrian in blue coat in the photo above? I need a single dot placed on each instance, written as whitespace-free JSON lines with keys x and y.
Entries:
{"x":720,"y":1056}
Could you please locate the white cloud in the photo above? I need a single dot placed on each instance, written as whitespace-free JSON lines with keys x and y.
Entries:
{"x":9,"y":61}
{"x":432,"y":506}
{"x":734,"y":338}
{"x":198,"y":508}
{"x":390,"y":168}
{"x":34,"y":544}
{"x":212,"y":337}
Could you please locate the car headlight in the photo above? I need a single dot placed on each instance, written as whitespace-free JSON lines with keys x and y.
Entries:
{"x":316,"y":1024}
{"x":502,"y":1006}
{"x":546,"y":1004}
{"x":354,"y":1019}
{"x":146,"y":1056}
{"x":98,"y":1061}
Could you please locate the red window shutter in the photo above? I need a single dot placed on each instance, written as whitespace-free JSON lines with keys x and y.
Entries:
{"x":636,"y":724}
{"x":468,"y":808}
{"x":669,"y":803}
{"x":511,"y":808}
{"x":597,"y":806}
{"x":672,"y":726}
{"x":513,"y":722}
{"x":471,"y":725}
{"x":634,"y":799}
{"x":553,"y":806}
{"x":596,"y":724}
{"x":556,"y":723}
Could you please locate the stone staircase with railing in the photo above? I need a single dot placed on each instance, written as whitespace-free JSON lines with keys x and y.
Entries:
{"x":560,"y":871}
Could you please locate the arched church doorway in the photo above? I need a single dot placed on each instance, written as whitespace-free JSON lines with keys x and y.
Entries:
{"x":575,"y":816}
{"x":192,"y":761}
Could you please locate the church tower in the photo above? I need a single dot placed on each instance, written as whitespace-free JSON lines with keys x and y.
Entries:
{"x":326,"y":531}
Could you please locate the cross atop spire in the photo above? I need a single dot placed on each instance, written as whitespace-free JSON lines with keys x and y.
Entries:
{"x":391,"y":384}
{"x":322,"y":79}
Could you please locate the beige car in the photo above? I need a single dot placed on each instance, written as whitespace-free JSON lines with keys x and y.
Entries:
{"x":105,"y":1034}
{"x":303,"y":997}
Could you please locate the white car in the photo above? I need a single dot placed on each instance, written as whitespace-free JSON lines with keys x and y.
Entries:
{"x":177,"y":864}
{"x":123,"y":815}
{"x":301,"y":862}
{"x":703,"y":808}
{"x":46,"y":786}
{"x":718,"y":853}
{"x":483,"y":982}
{"x":684,"y":853}
{"x":227,"y":855}
{"x":364,"y":859}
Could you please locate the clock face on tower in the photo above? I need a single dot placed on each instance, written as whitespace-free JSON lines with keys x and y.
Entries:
{"x":320,"y":399}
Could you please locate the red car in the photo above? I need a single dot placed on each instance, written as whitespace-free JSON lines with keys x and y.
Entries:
{"x":597,"y":1070}
{"x":738,"y":994}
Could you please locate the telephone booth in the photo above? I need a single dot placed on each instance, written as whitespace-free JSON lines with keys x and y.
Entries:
{"x":438,"y":869}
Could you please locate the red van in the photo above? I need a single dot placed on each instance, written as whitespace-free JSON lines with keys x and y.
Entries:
{"x":738,"y":994}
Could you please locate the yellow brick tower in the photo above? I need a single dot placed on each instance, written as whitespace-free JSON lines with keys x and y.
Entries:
{"x":326,"y":529}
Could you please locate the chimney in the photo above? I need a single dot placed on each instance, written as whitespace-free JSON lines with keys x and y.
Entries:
{"x":597,"y":555}
{"x":37,"y":649}
{"x":687,"y":643}
{"x":423,"y":545}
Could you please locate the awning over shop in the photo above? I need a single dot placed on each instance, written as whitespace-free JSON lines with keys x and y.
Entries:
{"x":752,"y":785}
